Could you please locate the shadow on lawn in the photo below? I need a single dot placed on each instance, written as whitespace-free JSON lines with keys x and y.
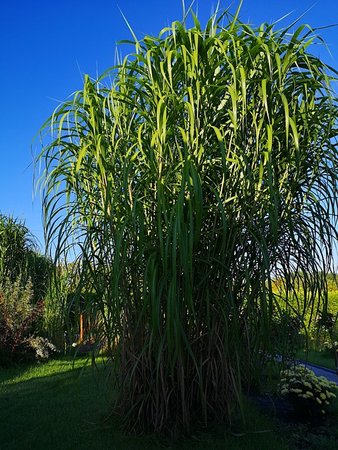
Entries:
{"x":70,"y":410}
{"x":63,"y":409}
{"x":26,"y":371}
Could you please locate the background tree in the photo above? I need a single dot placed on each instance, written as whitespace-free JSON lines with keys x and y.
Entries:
{"x":207,"y":169}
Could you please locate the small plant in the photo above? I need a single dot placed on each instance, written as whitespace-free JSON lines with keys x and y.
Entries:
{"x":40,"y":348}
{"x":308,"y":393}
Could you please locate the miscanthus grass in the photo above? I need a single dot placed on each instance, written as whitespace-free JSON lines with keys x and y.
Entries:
{"x":187,"y":178}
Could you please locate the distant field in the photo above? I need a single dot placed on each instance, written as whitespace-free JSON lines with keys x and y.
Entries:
{"x":333,"y":301}
{"x":332,"y":296}
{"x":318,"y":349}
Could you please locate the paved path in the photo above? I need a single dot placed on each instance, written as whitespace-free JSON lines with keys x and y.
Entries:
{"x":322,"y":371}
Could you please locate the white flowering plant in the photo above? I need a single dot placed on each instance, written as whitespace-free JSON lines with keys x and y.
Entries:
{"x":308,"y":392}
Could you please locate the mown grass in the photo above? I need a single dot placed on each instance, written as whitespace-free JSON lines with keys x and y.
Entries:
{"x":63,"y":404}
{"x":324,"y":358}
{"x":54,"y":405}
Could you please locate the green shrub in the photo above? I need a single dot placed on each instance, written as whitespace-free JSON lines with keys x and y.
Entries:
{"x":308,"y":393}
{"x":17,"y":315}
{"x":38,"y":348}
{"x":286,"y":334}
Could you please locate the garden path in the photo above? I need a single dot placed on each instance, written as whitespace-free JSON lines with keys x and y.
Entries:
{"x":331,"y":375}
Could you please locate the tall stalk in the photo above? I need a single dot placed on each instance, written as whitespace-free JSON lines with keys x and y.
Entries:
{"x":207,"y":169}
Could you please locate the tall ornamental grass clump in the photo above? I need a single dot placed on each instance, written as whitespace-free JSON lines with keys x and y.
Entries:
{"x":187,"y":178}
{"x":20,"y":260}
{"x":16,"y":246}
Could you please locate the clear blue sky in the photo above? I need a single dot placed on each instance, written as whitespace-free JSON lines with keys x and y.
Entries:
{"x":47,"y":46}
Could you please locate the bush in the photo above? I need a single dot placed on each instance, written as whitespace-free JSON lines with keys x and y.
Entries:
{"x":17,"y":315}
{"x":38,"y":348}
{"x":325,"y":330}
{"x":308,"y":393}
{"x":286,"y":334}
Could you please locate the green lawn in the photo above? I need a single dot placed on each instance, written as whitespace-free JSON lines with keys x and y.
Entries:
{"x":323,"y":358}
{"x":53,"y":406}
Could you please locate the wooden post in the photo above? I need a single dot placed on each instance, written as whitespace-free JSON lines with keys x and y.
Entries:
{"x":81,"y":328}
